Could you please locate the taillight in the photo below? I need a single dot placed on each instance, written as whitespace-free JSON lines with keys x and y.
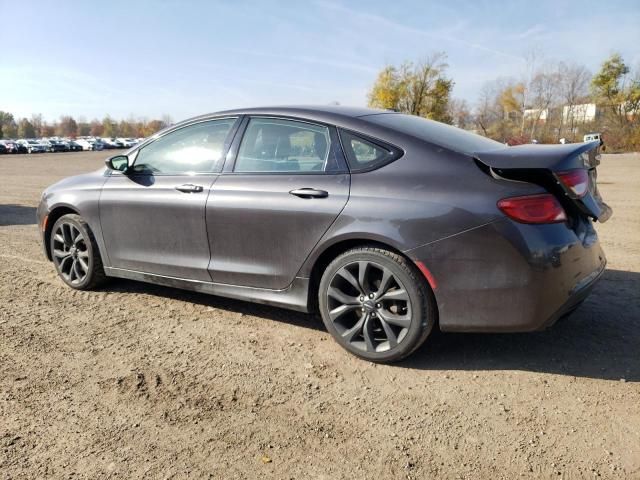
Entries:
{"x":542,"y":208}
{"x":575,"y":180}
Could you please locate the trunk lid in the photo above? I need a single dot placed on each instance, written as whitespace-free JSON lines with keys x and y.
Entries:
{"x":543,"y":164}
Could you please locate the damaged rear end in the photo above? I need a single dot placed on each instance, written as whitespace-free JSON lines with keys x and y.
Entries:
{"x":553,"y":229}
{"x":540,"y":259}
{"x":568,"y":173}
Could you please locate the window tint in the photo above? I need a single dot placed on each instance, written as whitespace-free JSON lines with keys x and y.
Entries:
{"x":275,"y":145}
{"x":196,"y":148}
{"x":363,"y":154}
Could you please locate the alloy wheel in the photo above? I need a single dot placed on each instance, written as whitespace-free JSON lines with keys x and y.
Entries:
{"x":369,"y":306}
{"x":70,"y":253}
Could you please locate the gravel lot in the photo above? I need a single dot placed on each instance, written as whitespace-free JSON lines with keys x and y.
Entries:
{"x":141,"y":381}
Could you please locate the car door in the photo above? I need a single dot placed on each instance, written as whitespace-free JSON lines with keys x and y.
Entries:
{"x":153,"y":215}
{"x":274,"y":201}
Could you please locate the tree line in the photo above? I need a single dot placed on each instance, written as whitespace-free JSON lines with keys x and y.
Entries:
{"x":549,"y":101}
{"x":67,"y":126}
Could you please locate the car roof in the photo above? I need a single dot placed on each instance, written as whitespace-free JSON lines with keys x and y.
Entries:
{"x":333,"y":114}
{"x":361,"y":120}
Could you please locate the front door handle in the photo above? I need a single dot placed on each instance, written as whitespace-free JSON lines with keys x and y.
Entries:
{"x":309,"y":193}
{"x":189,"y":188}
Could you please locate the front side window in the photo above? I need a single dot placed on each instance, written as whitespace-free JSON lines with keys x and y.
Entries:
{"x":363,"y":154}
{"x":193,"y":149}
{"x":276,"y":145}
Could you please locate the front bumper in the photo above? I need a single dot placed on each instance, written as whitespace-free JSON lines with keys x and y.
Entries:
{"x":511,"y":277}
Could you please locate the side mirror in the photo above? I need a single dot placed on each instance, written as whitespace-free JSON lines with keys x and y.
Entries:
{"x":119,"y":163}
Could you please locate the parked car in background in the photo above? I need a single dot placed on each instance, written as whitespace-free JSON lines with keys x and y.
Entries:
{"x":74,"y":146}
{"x":54,"y":145}
{"x":84,"y":143}
{"x":89,"y":143}
{"x":128,"y":142}
{"x":3,"y":149}
{"x":11,"y":146}
{"x":33,"y":146}
{"x":595,"y":137}
{"x":388,"y":225}
{"x":112,"y":143}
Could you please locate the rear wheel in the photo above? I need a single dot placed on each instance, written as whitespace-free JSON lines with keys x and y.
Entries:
{"x":75,"y":253}
{"x":375,"y":304}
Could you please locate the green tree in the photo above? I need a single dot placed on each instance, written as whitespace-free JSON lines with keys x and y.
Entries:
{"x":109,"y":127}
{"x":26,"y":129}
{"x":612,"y":88}
{"x":8,"y":127}
{"x":84,"y":128}
{"x":420,"y":89}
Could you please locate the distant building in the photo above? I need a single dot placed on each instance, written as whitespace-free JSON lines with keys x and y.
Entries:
{"x":582,"y":113}
{"x":538,"y":114}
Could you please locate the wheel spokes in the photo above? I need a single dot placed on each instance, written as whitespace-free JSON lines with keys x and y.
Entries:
{"x":83,"y":264}
{"x":77,"y":236}
{"x":66,"y":233}
{"x":342,"y":297}
{"x":403,"y":321}
{"x":385,"y":283}
{"x":363,"y":268}
{"x":348,"y":276}
{"x":65,"y":261}
{"x":349,"y":334}
{"x":369,"y":306}
{"x":396,"y":294}
{"x":60,"y":253}
{"x":390,"y":334}
{"x":70,"y":253}
{"x":368,"y":334}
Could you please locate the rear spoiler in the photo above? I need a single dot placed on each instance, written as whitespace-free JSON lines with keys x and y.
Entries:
{"x":551,"y":157}
{"x":541,"y":164}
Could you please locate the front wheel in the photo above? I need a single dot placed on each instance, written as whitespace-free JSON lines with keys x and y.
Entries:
{"x":375,"y":304}
{"x":75,"y":253}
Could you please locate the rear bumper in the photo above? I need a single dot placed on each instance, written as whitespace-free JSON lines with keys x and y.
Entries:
{"x":511,"y":277}
{"x":580,"y":293}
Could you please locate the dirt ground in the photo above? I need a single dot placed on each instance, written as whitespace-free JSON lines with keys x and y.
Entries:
{"x":138,"y":381}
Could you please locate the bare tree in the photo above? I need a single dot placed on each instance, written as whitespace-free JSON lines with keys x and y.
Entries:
{"x":543,"y":95}
{"x":460,"y":113}
{"x":574,"y":88}
{"x":531,"y":59}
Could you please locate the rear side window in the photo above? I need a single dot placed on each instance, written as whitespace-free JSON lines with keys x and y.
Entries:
{"x":273,"y":145}
{"x":363,"y":154}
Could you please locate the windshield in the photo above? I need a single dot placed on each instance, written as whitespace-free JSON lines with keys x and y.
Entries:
{"x":437,"y":133}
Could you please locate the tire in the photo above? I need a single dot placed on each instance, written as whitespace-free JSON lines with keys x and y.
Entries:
{"x":75,"y":253}
{"x":380,"y":323}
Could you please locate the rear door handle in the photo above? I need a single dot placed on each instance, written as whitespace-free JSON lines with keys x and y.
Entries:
{"x":189,"y":188}
{"x":309,"y":193}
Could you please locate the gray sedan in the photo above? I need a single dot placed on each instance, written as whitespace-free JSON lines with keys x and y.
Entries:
{"x":386,"y":224}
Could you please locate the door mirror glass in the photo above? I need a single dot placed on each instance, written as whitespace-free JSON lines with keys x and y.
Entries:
{"x":119,"y":163}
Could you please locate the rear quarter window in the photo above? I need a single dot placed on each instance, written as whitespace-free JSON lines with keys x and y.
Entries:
{"x":364,"y":154}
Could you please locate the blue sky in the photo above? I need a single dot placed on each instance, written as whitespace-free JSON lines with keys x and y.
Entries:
{"x":182,"y":58}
